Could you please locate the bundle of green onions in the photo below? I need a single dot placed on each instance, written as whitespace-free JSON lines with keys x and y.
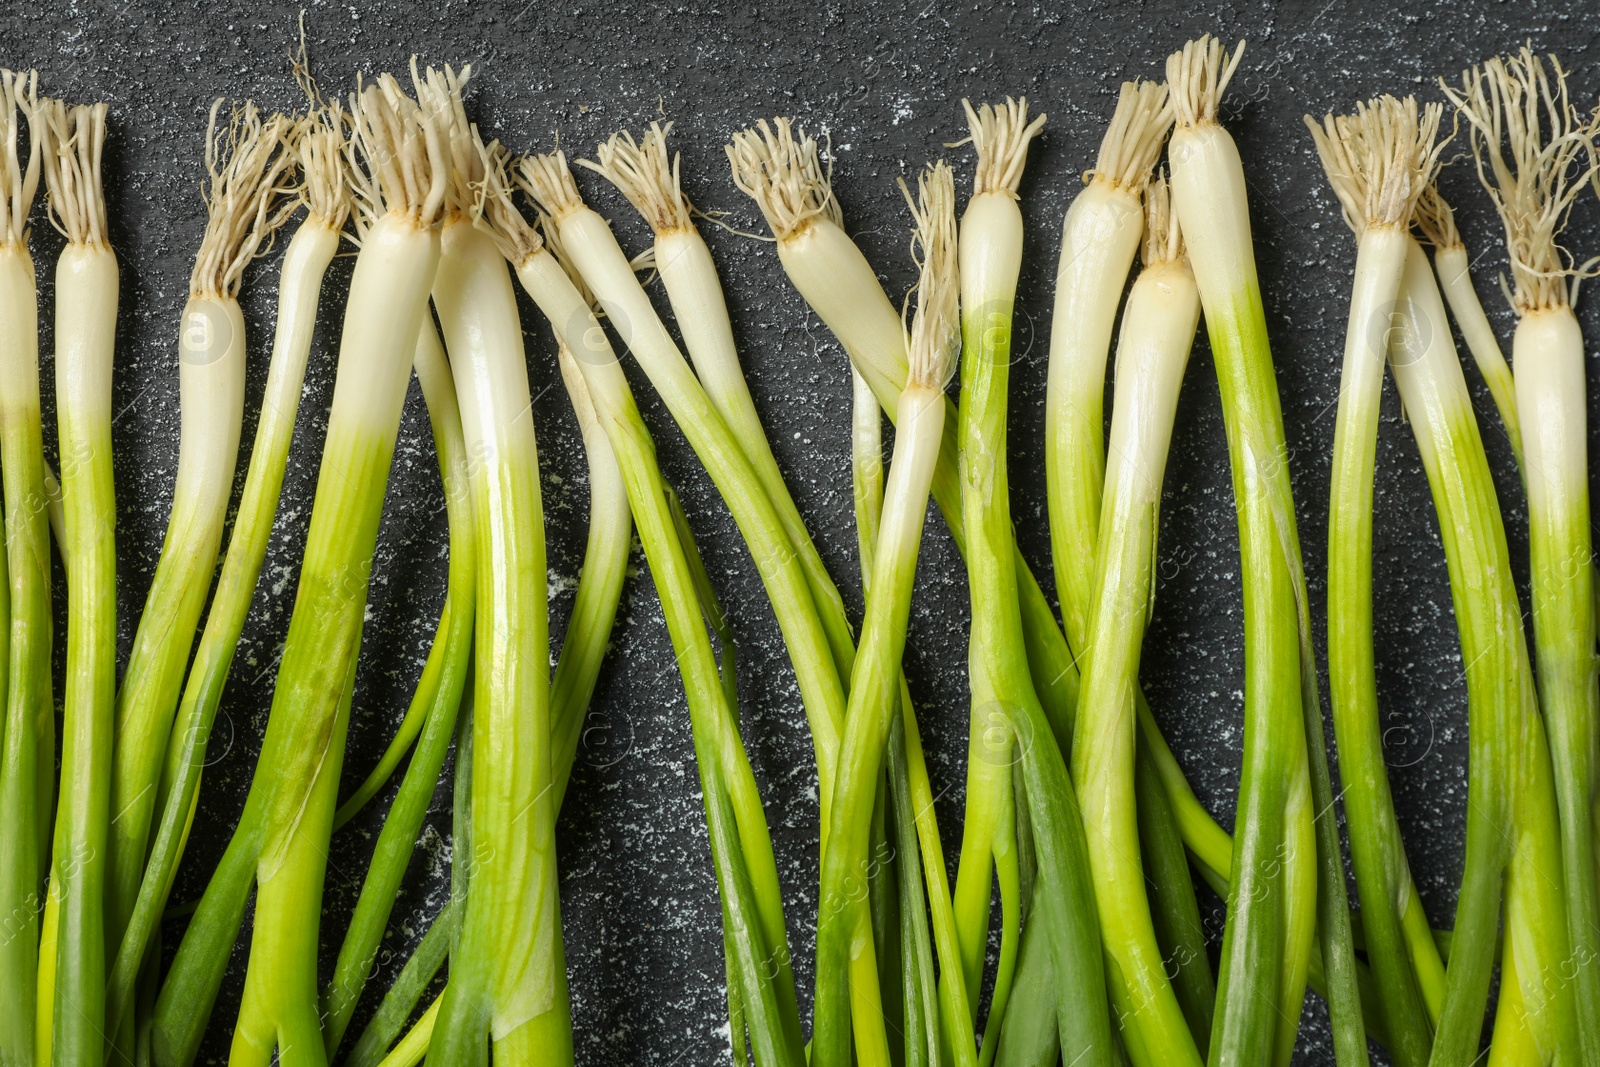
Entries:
{"x":1076,"y":819}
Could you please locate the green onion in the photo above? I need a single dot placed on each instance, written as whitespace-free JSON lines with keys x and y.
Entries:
{"x":72,"y":950}
{"x":998,"y":678}
{"x":740,"y":843}
{"x":305,"y":262}
{"x":25,"y":608}
{"x":781,"y":172}
{"x":1512,"y":840}
{"x":1378,"y":161}
{"x":507,"y":980}
{"x":1098,"y":240}
{"x":843,"y":927}
{"x":249,"y":161}
{"x":650,"y":180}
{"x":1158,"y":329}
{"x":1435,"y":218}
{"x":1281,"y":850}
{"x":283,"y":833}
{"x":1551,"y":161}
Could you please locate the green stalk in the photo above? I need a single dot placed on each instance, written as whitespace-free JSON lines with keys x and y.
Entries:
{"x":843,"y":927}
{"x":1064,"y":894}
{"x":249,"y":161}
{"x":1378,"y":161}
{"x":397,"y":839}
{"x":1273,"y":898}
{"x":1158,"y":329}
{"x":919,"y":1007}
{"x":288,"y":815}
{"x":919,"y":857}
{"x":71,"y":1002}
{"x":605,"y":567}
{"x":998,"y":677}
{"x":1552,"y":162}
{"x":305,"y":262}
{"x":1512,"y":839}
{"x":29,"y":718}
{"x":741,"y":845}
{"x":507,"y":982}
{"x":1437,"y":220}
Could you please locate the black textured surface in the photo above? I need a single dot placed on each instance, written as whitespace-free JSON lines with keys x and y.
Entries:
{"x":639,"y":899}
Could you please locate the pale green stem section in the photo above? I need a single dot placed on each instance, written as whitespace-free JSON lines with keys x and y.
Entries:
{"x":1550,"y":394}
{"x":990,"y":251}
{"x":29,"y":718}
{"x":86,"y":315}
{"x":1272,"y":896}
{"x":1383,"y":876}
{"x":594,"y":609}
{"x":507,"y":978}
{"x":1157,"y":332}
{"x":1099,"y":238}
{"x":211,"y":363}
{"x":300,"y":283}
{"x":453,"y":649}
{"x":1455,"y":279}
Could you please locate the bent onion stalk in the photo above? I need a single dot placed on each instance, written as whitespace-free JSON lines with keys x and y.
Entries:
{"x":1158,"y":328}
{"x":650,"y":179}
{"x":305,"y":261}
{"x":1535,"y":155}
{"x":72,"y":951}
{"x":741,"y":846}
{"x":1378,"y":161}
{"x":1437,"y":221}
{"x":843,"y":924}
{"x":283,"y":833}
{"x":29,"y":716}
{"x":598,"y":258}
{"x":250,"y":163}
{"x":1512,"y":839}
{"x":1281,"y":849}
